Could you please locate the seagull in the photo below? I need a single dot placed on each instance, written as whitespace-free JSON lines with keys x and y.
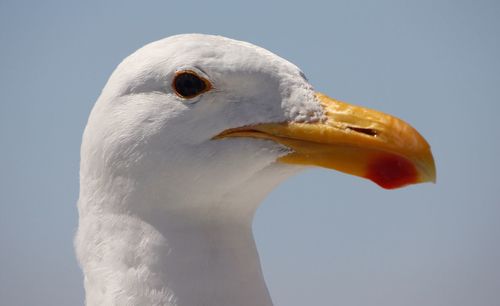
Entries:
{"x":187,"y":138}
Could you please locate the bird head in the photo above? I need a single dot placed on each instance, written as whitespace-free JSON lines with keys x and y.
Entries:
{"x":208,"y":115}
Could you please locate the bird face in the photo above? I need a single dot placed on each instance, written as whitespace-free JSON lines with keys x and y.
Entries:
{"x":206,"y":114}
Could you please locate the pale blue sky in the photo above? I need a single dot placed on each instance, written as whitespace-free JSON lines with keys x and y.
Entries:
{"x":324,"y":238}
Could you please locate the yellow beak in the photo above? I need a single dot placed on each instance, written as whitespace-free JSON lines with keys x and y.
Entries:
{"x":353,"y":140}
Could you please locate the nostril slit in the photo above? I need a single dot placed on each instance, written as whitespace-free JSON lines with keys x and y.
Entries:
{"x":369,"y":132}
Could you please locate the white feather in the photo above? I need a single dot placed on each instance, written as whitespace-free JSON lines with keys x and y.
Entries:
{"x":165,"y":211}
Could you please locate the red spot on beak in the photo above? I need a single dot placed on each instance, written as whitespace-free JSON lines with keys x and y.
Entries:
{"x":392,"y":171}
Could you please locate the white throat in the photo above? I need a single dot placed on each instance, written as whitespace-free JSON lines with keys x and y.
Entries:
{"x":165,"y":210}
{"x":202,"y":255}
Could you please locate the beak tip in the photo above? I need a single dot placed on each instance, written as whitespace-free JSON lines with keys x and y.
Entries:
{"x":429,"y":170}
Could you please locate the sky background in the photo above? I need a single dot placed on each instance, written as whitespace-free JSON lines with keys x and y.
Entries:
{"x":324,"y":238}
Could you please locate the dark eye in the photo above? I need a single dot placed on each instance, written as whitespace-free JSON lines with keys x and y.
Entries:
{"x":188,"y":84}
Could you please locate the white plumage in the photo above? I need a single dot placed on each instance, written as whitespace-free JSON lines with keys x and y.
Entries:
{"x":166,"y":210}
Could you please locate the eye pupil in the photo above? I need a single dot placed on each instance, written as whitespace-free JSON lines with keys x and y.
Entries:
{"x":188,"y":85}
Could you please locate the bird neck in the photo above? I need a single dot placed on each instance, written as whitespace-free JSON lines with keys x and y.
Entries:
{"x":213,"y":264}
{"x":170,"y":257}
